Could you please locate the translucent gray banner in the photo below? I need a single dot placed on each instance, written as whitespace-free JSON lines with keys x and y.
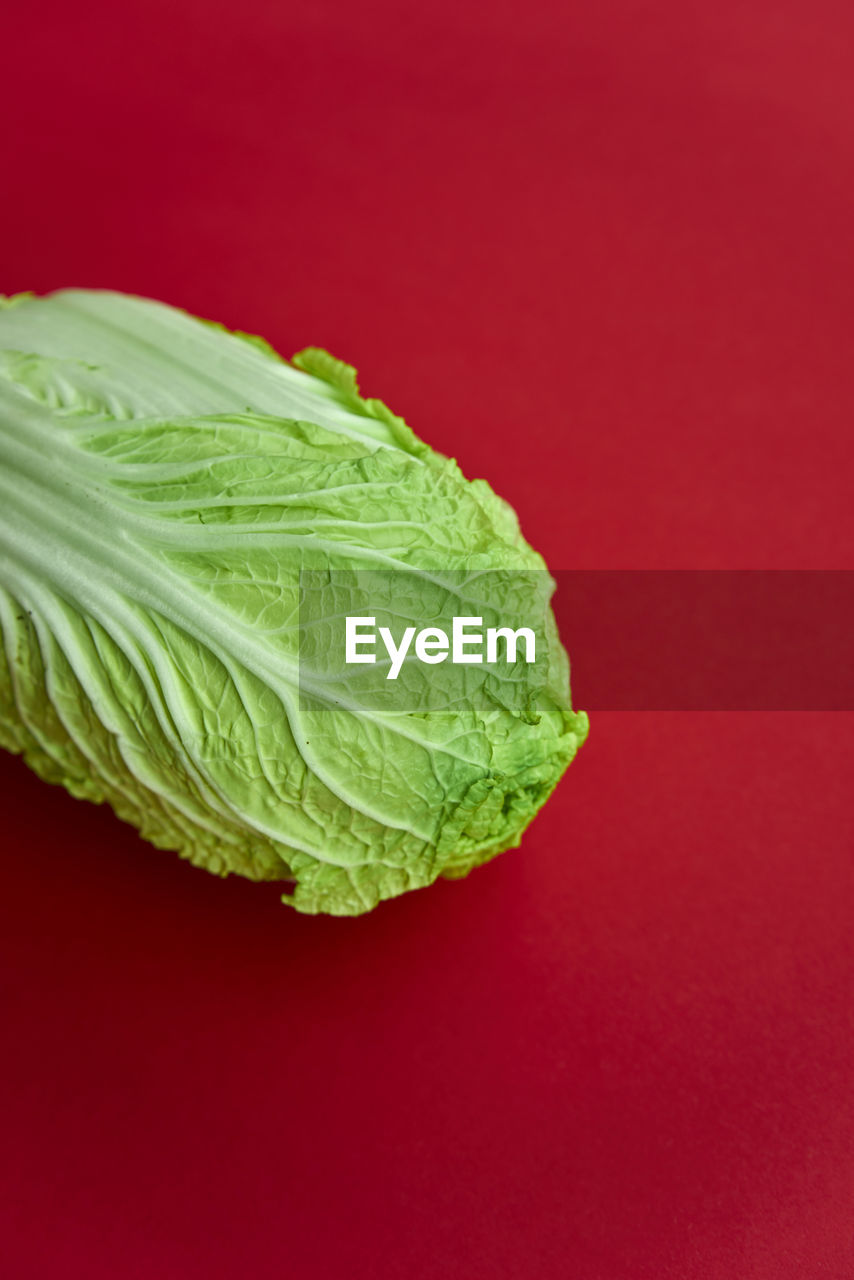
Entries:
{"x":639,"y":640}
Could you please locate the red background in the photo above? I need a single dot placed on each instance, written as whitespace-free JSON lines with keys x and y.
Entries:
{"x":602,"y":254}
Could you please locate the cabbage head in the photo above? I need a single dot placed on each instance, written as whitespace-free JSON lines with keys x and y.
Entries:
{"x":186,"y":520}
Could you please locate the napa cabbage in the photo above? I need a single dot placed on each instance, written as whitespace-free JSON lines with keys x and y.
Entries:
{"x":185,"y":521}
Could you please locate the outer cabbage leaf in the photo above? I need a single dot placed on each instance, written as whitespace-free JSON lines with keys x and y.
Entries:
{"x":163,"y":486}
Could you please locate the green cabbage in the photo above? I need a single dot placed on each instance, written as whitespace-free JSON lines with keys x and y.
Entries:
{"x":165,"y":488}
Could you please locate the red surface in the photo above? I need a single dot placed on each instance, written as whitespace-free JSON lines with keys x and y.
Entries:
{"x":602,"y":254}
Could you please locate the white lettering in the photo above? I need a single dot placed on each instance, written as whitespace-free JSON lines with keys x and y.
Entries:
{"x":396,"y":654}
{"x":431,"y":645}
{"x":352,"y":639}
{"x":510,"y":638}
{"x":461,"y":639}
